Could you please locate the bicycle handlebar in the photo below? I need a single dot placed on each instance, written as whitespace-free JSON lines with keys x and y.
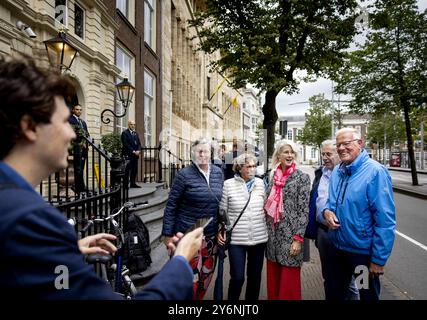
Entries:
{"x":91,"y":222}
{"x":126,"y":205}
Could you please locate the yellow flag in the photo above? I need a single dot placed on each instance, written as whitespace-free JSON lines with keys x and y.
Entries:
{"x":217,"y":88}
{"x":234,"y":102}
{"x":98,"y":177}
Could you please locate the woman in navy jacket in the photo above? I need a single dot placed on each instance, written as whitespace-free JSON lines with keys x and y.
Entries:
{"x":195,"y":194}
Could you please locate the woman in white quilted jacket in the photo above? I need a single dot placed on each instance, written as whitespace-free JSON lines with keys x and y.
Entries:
{"x":249,"y":236}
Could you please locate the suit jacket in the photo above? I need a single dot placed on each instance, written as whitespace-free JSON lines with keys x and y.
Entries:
{"x":78,"y":145}
{"x":75,"y":123}
{"x":130,"y":143}
{"x":38,"y":245}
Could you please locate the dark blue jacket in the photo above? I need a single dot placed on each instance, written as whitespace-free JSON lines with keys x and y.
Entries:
{"x":130,"y":143}
{"x":311,"y":230}
{"x":190,"y":199}
{"x":36,"y":239}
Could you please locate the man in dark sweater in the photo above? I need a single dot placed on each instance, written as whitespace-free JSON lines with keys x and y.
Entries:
{"x":35,"y":238}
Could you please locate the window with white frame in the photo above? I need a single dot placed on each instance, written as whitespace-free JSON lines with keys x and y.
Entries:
{"x":61,"y":11}
{"x":150,"y":23}
{"x":313,"y":153}
{"x":127,"y":8}
{"x":149,"y":108}
{"x":79,"y":21}
{"x":123,"y":6}
{"x":299,"y":132}
{"x":125,"y":62}
{"x":290,"y":134}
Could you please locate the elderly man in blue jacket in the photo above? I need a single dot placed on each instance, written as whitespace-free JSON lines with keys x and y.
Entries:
{"x":360,"y":214}
{"x":35,"y":238}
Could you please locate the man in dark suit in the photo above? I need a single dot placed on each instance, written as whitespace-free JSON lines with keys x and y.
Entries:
{"x":131,"y":151}
{"x":40,"y":255}
{"x":79,"y":147}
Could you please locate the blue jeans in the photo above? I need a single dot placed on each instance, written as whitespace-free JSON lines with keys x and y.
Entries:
{"x":255,"y":262}
{"x":343,"y":266}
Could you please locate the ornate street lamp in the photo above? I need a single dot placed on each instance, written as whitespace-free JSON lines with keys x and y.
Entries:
{"x":60,"y":51}
{"x":125,"y":91}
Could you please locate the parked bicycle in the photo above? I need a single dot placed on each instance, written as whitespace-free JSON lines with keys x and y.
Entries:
{"x":112,"y":269}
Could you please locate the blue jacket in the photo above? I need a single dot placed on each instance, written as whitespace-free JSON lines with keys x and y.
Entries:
{"x":361,"y":196}
{"x":35,"y":238}
{"x":190,"y":199}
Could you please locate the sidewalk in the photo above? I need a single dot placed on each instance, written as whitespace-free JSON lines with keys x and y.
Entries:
{"x":312,"y":282}
{"x":407,"y":188}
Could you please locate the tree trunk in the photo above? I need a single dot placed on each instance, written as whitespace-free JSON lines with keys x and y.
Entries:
{"x":410,"y":145}
{"x":270,"y":119}
{"x":404,"y":102}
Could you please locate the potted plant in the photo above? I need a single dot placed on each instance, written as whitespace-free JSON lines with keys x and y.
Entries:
{"x":112,"y":143}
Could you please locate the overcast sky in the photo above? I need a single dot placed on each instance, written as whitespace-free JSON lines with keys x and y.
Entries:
{"x":284,"y":102}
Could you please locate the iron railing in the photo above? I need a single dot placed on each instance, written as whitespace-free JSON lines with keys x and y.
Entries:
{"x":105,"y":190}
{"x":158,"y":164}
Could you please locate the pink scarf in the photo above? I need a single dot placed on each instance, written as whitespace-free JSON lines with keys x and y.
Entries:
{"x":274,"y":203}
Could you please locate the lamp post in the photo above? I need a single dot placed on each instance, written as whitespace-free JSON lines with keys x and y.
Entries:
{"x":60,"y":51}
{"x":125,"y":91}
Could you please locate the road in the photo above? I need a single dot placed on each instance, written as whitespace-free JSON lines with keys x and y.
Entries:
{"x":407,"y":266}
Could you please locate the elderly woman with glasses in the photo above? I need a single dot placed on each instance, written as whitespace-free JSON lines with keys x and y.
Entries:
{"x":245,"y":194}
{"x":286,"y":211}
{"x":195,"y":194}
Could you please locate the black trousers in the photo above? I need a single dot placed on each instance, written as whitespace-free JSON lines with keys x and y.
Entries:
{"x":79,"y":160}
{"x":132,"y":169}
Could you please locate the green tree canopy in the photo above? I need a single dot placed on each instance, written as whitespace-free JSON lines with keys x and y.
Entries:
{"x":264,"y":42}
{"x":386,"y":128}
{"x":317,"y":127}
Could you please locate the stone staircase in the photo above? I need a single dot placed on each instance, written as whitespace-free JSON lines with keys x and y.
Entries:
{"x":151,"y":214}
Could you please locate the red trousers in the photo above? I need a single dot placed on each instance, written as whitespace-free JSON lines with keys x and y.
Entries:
{"x":283,"y":283}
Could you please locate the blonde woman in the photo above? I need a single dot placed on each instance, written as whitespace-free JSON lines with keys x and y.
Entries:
{"x":286,"y":211}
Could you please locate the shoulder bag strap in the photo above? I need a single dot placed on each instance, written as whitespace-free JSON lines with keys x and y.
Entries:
{"x":243,"y":210}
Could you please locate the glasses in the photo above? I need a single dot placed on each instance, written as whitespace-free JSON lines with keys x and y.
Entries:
{"x":327,"y":154}
{"x":345,"y":144}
